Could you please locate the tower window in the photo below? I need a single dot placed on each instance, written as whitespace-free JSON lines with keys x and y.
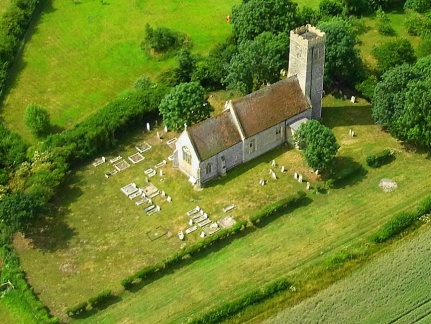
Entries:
{"x":208,"y":168}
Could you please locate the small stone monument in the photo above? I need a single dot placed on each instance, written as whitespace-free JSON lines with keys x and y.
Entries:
{"x":316,"y":172}
{"x":202,"y":234}
{"x":146,"y":179}
{"x":308,"y":185}
{"x":295,"y":175}
{"x":300,"y":178}
{"x":353,"y":99}
{"x":282,"y":169}
{"x":150,"y":201}
{"x":191,"y":222}
{"x":353,"y":134}
{"x":166,"y":129}
{"x":163,"y":194}
{"x":158,"y":208}
{"x":350,"y":132}
{"x":273,"y":163}
{"x":148,"y":127}
{"x":168,"y":198}
{"x":274,"y":176}
{"x":103,"y":159}
{"x":161,"y":172}
{"x":158,"y":136}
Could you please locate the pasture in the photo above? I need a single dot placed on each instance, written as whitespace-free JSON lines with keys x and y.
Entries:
{"x":99,"y":235}
{"x":80,"y":54}
{"x":391,"y":289}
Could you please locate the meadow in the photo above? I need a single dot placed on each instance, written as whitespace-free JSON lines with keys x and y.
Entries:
{"x":391,"y":289}
{"x":80,"y":54}
{"x":99,"y":235}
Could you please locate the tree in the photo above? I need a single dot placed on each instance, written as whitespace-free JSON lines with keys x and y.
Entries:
{"x":254,"y":17}
{"x":185,"y":104}
{"x":342,"y":60}
{"x":37,"y":119}
{"x":394,"y":53}
{"x":418,"y":5}
{"x":162,"y":39}
{"x":258,"y":62}
{"x":318,"y":143}
{"x":331,"y":8}
{"x":384,"y":23}
{"x":186,"y":66}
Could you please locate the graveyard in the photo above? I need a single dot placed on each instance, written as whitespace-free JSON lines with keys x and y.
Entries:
{"x":111,"y":226}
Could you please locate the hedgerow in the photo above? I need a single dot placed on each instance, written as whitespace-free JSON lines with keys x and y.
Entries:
{"x":100,"y":298}
{"x":77,"y":309}
{"x":278,"y":205}
{"x":377,"y":160}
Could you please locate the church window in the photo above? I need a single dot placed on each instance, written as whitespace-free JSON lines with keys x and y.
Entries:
{"x":208,"y":168}
{"x":278,"y":131}
{"x":187,"y":157}
{"x":252,"y":146}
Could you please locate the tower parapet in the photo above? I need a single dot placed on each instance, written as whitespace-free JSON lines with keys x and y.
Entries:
{"x":307,"y":60}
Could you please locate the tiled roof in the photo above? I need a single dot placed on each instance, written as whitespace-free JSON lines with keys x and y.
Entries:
{"x":270,"y":105}
{"x":214,"y":135}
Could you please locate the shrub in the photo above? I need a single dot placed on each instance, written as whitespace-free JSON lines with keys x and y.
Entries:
{"x":379,"y":159}
{"x":36,"y":118}
{"x":127,"y":282}
{"x":395,"y":226}
{"x":100,"y":298}
{"x":345,"y":173}
{"x":162,"y":39}
{"x":77,"y":309}
{"x":425,"y":206}
{"x":228,"y":309}
{"x":384,"y":24}
{"x":278,"y":205}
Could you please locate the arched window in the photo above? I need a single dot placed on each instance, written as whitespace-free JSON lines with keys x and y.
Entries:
{"x":208,"y":168}
{"x":187,"y":157}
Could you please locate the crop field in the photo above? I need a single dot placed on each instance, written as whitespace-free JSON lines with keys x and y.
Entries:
{"x":99,"y":235}
{"x":394,"y":288}
{"x":80,"y":54}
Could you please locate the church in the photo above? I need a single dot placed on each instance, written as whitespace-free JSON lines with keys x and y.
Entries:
{"x":262,"y":120}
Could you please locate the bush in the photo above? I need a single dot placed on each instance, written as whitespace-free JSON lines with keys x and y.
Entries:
{"x":228,"y":309}
{"x":395,"y":226}
{"x":379,"y":159}
{"x":100,"y":298}
{"x":345,"y":173}
{"x":77,"y":309}
{"x":36,"y":119}
{"x":162,"y":39}
{"x":425,"y":206}
{"x":127,"y":282}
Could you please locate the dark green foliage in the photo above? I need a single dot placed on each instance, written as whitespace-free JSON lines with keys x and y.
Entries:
{"x":342,"y":60}
{"x":256,"y":296}
{"x":101,"y":298}
{"x":37,"y":119}
{"x":251,"y":18}
{"x":185,"y":104}
{"x":142,"y":83}
{"x":162,"y":39}
{"x":340,"y":259}
{"x":405,"y":112}
{"x":77,"y":309}
{"x":331,"y":8}
{"x":379,"y":159}
{"x":127,"y":282}
{"x":13,"y":25}
{"x":12,"y":148}
{"x":395,"y":226}
{"x":308,"y":15}
{"x":102,"y":130}
{"x":418,"y":5}
{"x":258,"y":62}
{"x":277,"y":206}
{"x":4,"y":177}
{"x":384,"y":24}
{"x":394,"y":53}
{"x":318,"y":143}
{"x":424,"y":48}
{"x":425,"y":206}
{"x":367,"y":87}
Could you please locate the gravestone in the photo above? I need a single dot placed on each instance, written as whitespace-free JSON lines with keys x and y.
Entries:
{"x":166,"y":129}
{"x":191,"y":222}
{"x":273,"y":163}
{"x":308,"y":186}
{"x":353,"y":134}
{"x":158,"y":135}
{"x":202,"y":234}
{"x":148,"y":127}
{"x":161,"y":172}
{"x":300,"y":178}
{"x":350,"y":132}
{"x":163,"y":194}
{"x":295,"y":175}
{"x":169,"y":199}
{"x":317,"y":172}
{"x":274,"y":176}
{"x":282,"y":168}
{"x":353,"y":99}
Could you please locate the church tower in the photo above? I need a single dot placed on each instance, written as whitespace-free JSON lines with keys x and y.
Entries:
{"x":307,"y":60}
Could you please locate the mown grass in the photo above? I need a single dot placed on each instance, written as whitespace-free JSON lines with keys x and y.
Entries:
{"x":98,"y":237}
{"x":80,"y":55}
{"x":13,"y":310}
{"x":392,"y":288}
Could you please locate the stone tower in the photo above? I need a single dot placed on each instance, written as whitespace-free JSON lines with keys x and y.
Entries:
{"x":306,"y":60}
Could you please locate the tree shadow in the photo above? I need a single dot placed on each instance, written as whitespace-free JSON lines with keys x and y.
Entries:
{"x":409,"y":147}
{"x":347,"y":116}
{"x":347,"y":172}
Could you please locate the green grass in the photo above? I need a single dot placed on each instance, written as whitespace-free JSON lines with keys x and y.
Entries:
{"x":80,"y":56}
{"x":392,"y":287}
{"x":3,"y":5}
{"x":98,"y":238}
{"x":13,"y":310}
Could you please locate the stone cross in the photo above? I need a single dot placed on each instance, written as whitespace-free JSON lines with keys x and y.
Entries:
{"x":148,"y":127}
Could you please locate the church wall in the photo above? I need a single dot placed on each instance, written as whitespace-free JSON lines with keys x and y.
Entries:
{"x":290,"y":132}
{"x":192,"y":168}
{"x":264,"y":141}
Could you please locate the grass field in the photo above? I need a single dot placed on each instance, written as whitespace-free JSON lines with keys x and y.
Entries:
{"x":391,"y":289}
{"x":3,"y":5}
{"x":80,"y":56}
{"x":98,"y":237}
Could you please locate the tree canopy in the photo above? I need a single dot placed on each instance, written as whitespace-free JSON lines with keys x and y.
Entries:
{"x":258,"y":62}
{"x":185,"y":104}
{"x":342,"y":60}
{"x":401,"y":102}
{"x":37,"y":119}
{"x":253,"y":17}
{"x":318,"y":143}
{"x":394,"y":53}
